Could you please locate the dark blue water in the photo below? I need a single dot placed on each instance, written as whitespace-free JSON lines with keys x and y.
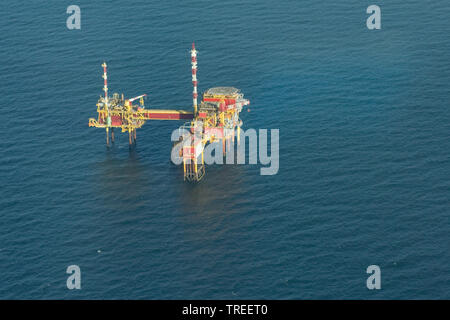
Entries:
{"x":364,"y":151}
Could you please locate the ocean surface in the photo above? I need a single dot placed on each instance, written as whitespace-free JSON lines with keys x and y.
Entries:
{"x":364,"y":175}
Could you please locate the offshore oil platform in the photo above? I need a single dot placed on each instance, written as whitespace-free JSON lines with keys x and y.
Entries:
{"x":217,"y":116}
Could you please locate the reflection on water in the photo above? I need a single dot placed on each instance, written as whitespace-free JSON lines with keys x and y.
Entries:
{"x":121,"y":182}
{"x":220,"y":184}
{"x":129,"y":183}
{"x":208,"y":206}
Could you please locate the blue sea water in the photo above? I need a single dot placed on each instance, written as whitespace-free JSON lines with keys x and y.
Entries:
{"x":364,"y":172}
